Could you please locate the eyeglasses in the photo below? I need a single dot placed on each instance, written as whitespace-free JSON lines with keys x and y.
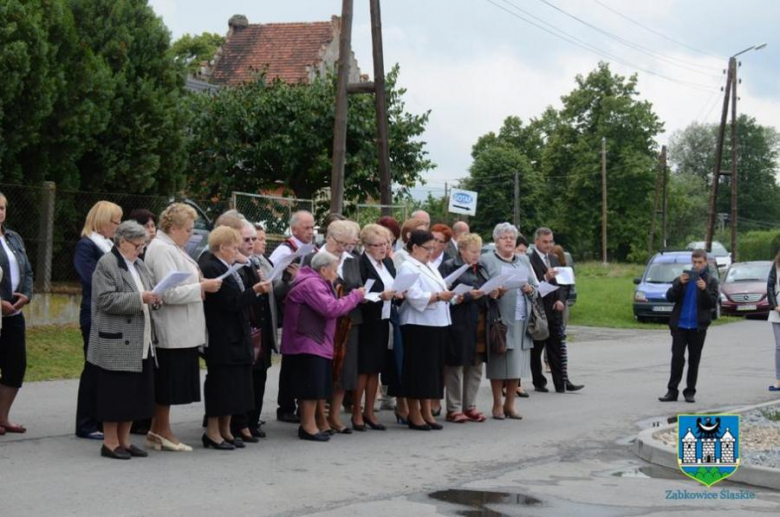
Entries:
{"x":138,"y":247}
{"x":429,"y":249}
{"x":339,"y":243}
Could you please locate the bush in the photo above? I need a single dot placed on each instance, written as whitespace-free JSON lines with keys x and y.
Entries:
{"x":759,"y":245}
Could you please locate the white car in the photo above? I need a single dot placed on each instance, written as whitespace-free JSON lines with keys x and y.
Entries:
{"x":719,"y":252}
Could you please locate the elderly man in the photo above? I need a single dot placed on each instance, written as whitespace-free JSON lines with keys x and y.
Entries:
{"x":422,"y":215}
{"x":302,"y":229}
{"x":458,"y":229}
{"x":544,"y":263}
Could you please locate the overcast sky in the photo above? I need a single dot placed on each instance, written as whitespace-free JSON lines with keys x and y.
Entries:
{"x":473,"y":63}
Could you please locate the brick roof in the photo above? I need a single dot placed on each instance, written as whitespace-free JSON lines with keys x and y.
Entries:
{"x":287,"y":49}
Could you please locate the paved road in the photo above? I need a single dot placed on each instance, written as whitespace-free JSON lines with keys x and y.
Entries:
{"x":570,"y":455}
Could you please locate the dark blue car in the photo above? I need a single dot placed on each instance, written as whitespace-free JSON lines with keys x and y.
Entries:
{"x":650,"y":295}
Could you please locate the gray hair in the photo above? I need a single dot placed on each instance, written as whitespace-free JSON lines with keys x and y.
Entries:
{"x":502,"y":228}
{"x":344,"y":229}
{"x":297,"y":215}
{"x":542,"y":231}
{"x":249,"y":226}
{"x":323,"y":259}
{"x":130,"y":231}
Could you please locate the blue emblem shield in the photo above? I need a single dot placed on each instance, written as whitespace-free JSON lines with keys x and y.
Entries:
{"x":708,"y":446}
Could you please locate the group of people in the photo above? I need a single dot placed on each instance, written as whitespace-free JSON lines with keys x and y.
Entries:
{"x":343,"y":329}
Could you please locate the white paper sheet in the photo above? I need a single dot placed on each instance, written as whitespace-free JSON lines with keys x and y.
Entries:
{"x":373,"y":297}
{"x":547,"y":288}
{"x":462,"y":289}
{"x":280,"y":266}
{"x":404,"y":281}
{"x":303,"y":251}
{"x":565,"y":276}
{"x":235,"y":267}
{"x":449,"y":279}
{"x":369,"y":284}
{"x":172,"y":279}
{"x":494,"y":283}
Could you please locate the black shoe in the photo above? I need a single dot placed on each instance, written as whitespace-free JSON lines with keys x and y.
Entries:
{"x":401,"y":420}
{"x":343,"y":430}
{"x":434,"y":426}
{"x":118,"y":454}
{"x":248,"y":439}
{"x":669,"y":397}
{"x":236,"y":442}
{"x":522,"y":394}
{"x":319,"y":437}
{"x":437,"y":412}
{"x":135,"y":452}
{"x":289,"y":418}
{"x":375,"y":426}
{"x":541,"y":389}
{"x":424,"y":427}
{"x":222,"y":446}
{"x":690,"y":398}
{"x":574,"y":387}
{"x":258,"y":433}
{"x":359,"y":428}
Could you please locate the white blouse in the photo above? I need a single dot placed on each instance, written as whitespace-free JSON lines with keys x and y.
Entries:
{"x":417,"y":309}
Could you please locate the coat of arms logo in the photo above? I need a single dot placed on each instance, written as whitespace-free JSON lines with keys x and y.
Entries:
{"x":708,"y":446}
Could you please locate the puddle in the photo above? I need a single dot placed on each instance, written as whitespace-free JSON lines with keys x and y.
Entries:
{"x":477,"y":501}
{"x":647,"y":472}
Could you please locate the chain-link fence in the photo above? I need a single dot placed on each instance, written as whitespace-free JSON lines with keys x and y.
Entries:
{"x":365,"y":213}
{"x":273,"y":212}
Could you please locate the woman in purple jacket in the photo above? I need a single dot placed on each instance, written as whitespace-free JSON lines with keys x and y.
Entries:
{"x":310,"y":314}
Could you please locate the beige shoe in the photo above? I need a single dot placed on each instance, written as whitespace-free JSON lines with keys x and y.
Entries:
{"x":160,"y":443}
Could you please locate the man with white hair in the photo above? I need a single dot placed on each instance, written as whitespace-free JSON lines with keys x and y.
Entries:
{"x":302,"y":229}
{"x":458,"y":229}
{"x":422,"y":215}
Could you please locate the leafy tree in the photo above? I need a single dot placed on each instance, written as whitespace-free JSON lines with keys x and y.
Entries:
{"x":190,"y":51}
{"x":269,"y":133}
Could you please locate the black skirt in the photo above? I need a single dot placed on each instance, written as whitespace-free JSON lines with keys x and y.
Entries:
{"x":311,"y":376}
{"x":372,"y":348}
{"x":124,"y":396}
{"x":423,"y":366}
{"x":228,"y":390}
{"x":177,"y":377}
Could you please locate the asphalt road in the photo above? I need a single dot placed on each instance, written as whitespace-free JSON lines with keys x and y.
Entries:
{"x":571,"y":455}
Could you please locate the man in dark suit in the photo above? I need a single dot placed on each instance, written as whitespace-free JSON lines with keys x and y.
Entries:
{"x":543,"y":263}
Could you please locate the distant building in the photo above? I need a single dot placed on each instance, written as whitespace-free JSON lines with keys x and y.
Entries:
{"x":294,"y":52}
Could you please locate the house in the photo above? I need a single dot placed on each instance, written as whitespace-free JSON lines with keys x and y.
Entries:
{"x":294,"y":52}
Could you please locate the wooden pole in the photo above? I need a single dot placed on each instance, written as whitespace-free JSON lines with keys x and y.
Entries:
{"x":340,"y":124}
{"x":734,"y":175}
{"x":380,"y":100}
{"x":656,"y":201}
{"x":665,"y":198}
{"x":517,"y":200}
{"x":719,"y":157}
{"x":604,"y":200}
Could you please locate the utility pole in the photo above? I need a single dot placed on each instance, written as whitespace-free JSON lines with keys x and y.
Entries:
{"x":734,"y":175}
{"x":665,"y":196}
{"x":380,"y":101}
{"x":604,"y":200}
{"x":517,"y":199}
{"x":446,"y":199}
{"x":659,"y":184}
{"x":340,"y":125}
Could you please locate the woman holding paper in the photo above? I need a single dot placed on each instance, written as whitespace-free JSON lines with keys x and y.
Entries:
{"x":181,"y":324}
{"x":425,"y":318}
{"x":465,"y":350}
{"x":514,"y":306}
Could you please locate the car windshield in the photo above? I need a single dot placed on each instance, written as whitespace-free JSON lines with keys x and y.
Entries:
{"x":665,"y":272}
{"x":749,"y":273}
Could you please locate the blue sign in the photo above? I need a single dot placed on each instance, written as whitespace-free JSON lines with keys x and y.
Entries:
{"x":463,"y":202}
{"x":708,"y":446}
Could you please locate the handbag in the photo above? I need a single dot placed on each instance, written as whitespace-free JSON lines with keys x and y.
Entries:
{"x":497,"y":331}
{"x":257,"y":344}
{"x":538,"y":327}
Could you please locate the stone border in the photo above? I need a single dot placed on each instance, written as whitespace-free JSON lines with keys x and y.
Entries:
{"x":658,"y":453}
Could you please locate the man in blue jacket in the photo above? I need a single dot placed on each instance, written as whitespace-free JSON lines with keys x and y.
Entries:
{"x":695,"y":296}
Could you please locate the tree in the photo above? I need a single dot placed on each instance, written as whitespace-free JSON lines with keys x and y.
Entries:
{"x":191,"y":51}
{"x":267,"y":134}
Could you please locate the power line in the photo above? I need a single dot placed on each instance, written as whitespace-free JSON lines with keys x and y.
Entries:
{"x":587,"y":46}
{"x":664,"y":36}
{"x":631,"y":44}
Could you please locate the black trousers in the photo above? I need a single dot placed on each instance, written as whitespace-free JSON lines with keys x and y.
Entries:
{"x":554,"y":357}
{"x":285,"y":399}
{"x":85,"y":404}
{"x":251,"y":419}
{"x":693,"y":340}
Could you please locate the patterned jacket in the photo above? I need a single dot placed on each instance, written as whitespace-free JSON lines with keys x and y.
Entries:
{"x":116,"y":337}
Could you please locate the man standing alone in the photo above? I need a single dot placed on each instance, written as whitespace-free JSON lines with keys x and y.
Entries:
{"x":695,"y":296}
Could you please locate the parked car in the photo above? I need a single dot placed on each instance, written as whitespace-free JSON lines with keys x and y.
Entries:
{"x":650,"y":295}
{"x":199,"y":240}
{"x":719,"y":251}
{"x":743,"y":290}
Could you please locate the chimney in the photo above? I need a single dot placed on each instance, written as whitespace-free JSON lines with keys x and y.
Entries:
{"x":236,"y":23}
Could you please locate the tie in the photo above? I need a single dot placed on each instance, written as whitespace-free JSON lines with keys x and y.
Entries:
{"x":547,"y":261}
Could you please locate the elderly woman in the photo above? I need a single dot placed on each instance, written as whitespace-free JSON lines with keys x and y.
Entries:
{"x":462,"y":360}
{"x":180,"y":323}
{"x":16,"y":290}
{"x":425,"y":318}
{"x":228,"y":389}
{"x":96,"y":240}
{"x":408,"y":227}
{"x":120,"y":341}
{"x":442,"y":235}
{"x":375,"y":331}
{"x":310,"y":315}
{"x":514,"y":307}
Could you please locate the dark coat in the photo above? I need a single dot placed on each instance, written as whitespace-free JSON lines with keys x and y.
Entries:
{"x":462,"y":344}
{"x":560,"y":295}
{"x":706,"y":300}
{"x":25,"y":287}
{"x":771,"y":295}
{"x":373,"y":327}
{"x":259,"y":315}
{"x":229,"y":335}
{"x":85,"y":261}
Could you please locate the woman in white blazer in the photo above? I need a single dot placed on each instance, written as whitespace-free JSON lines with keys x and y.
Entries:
{"x":180,"y":326}
{"x":425,"y":317}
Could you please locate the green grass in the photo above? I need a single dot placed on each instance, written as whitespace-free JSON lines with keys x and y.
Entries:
{"x":54,"y":352}
{"x":605,"y":297}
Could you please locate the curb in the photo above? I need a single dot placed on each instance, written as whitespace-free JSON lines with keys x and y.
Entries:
{"x":656,"y":452}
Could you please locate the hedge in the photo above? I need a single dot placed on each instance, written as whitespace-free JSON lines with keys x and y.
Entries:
{"x":759,"y":245}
